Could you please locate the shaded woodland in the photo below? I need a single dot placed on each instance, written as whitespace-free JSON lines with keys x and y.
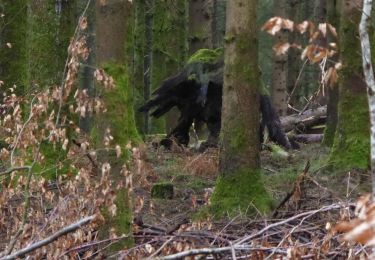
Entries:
{"x":187,"y":129}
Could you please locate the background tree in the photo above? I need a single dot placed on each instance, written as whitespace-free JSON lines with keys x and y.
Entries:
{"x":113,"y":20}
{"x":333,"y":15}
{"x":351,"y":142}
{"x":280,"y":66}
{"x":239,"y":183}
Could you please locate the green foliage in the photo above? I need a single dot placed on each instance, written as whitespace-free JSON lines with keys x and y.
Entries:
{"x":243,"y":191}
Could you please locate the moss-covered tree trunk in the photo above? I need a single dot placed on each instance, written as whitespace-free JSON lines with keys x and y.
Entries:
{"x":239,"y":184}
{"x":137,"y":64}
{"x":49,"y":30}
{"x":48,"y":38}
{"x":170,"y":50}
{"x":112,"y":22}
{"x":351,"y":145}
{"x":280,"y":66}
{"x":333,"y":14}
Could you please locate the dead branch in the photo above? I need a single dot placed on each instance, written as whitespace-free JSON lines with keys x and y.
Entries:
{"x":301,"y":215}
{"x":13,"y":169}
{"x":49,"y":239}
{"x":296,"y":186}
{"x":210,"y":251}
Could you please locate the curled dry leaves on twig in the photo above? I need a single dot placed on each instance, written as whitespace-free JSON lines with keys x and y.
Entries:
{"x":362,"y":229}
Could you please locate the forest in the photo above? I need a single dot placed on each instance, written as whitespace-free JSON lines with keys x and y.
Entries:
{"x":187,"y":129}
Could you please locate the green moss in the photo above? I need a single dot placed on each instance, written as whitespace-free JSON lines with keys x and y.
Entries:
{"x":121,"y":222}
{"x":120,"y":115}
{"x":240,"y":137}
{"x":162,"y":191}
{"x":206,"y":56}
{"x":351,"y":147}
{"x":240,"y":191}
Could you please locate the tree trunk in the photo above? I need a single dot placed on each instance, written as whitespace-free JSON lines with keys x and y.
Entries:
{"x":218,"y":25}
{"x":280,"y":67}
{"x":369,"y":76}
{"x":147,"y":58}
{"x":200,"y":24}
{"x":294,"y":60}
{"x":333,"y":92}
{"x":113,"y":22}
{"x":351,"y":143}
{"x":137,"y":64}
{"x":239,"y":182}
{"x":170,"y":50}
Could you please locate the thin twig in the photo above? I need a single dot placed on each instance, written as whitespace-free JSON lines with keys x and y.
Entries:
{"x":66,"y":65}
{"x":13,"y":169}
{"x":307,"y":213}
{"x":160,"y":248}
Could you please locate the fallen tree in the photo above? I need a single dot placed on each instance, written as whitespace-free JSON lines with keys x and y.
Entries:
{"x":306,"y":119}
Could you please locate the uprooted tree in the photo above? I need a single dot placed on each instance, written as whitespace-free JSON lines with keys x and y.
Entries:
{"x":197,"y":93}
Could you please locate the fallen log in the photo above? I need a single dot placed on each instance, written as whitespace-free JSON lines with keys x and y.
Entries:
{"x":308,"y":138}
{"x":307,"y":119}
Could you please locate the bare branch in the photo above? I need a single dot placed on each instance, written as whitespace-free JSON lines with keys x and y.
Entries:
{"x":49,"y":239}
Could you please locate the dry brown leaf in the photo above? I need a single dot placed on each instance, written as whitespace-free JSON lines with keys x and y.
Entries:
{"x":332,"y":29}
{"x":281,"y":48}
{"x":83,"y":23}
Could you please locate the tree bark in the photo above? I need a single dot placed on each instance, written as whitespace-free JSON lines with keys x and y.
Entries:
{"x":113,"y":22}
{"x":239,"y":181}
{"x":280,"y":67}
{"x":369,"y":76}
{"x":351,"y":145}
{"x":333,"y":92}
{"x":200,"y":24}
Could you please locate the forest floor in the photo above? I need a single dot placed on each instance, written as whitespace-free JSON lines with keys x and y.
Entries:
{"x":309,"y":199}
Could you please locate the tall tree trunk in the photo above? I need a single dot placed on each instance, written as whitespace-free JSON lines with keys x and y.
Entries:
{"x":351,"y":145}
{"x":218,"y":24}
{"x":333,"y":13}
{"x":170,"y":50}
{"x":49,"y":28}
{"x":294,"y":60}
{"x":138,"y":54}
{"x":113,"y":21}
{"x":200,"y":24}
{"x":148,"y":57}
{"x":239,"y":182}
{"x":87,"y":68}
{"x":280,"y":67}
